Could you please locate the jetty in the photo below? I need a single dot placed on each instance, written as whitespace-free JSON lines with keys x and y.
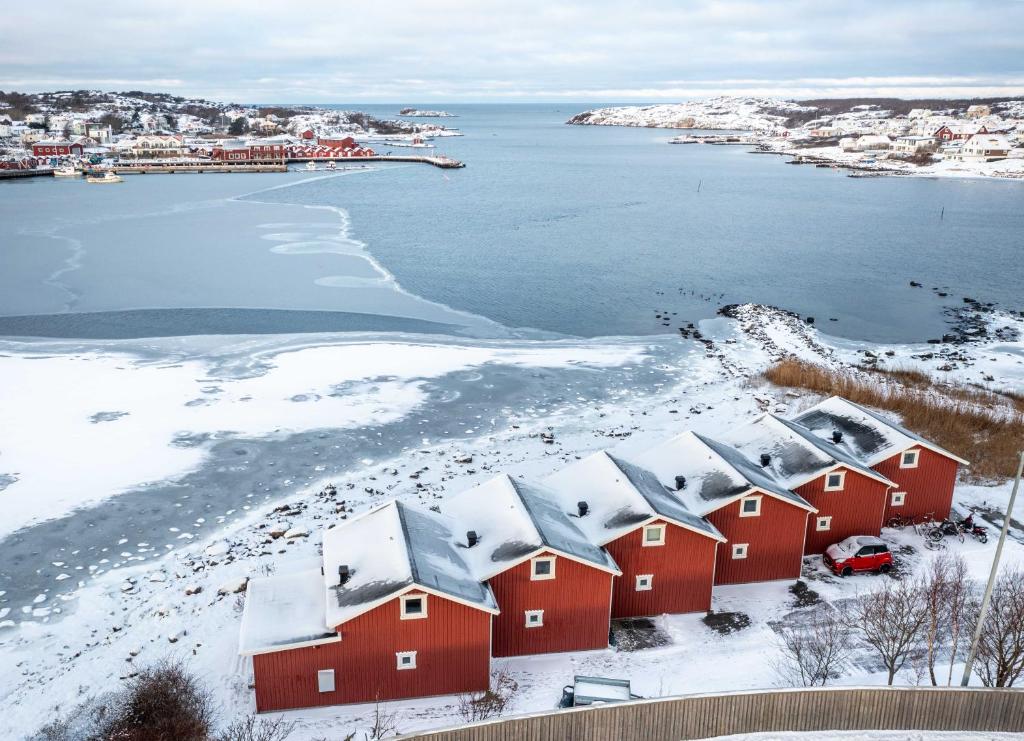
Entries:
{"x":439,"y":160}
{"x":26,"y":173}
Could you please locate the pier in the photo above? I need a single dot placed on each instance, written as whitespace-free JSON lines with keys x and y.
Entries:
{"x":26,"y":173}
{"x":167,"y":168}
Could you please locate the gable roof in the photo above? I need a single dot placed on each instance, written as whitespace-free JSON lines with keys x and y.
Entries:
{"x":515,"y":520}
{"x":715,"y":473}
{"x":620,"y":497}
{"x":867,"y":435}
{"x":391,"y":550}
{"x":797,"y":455}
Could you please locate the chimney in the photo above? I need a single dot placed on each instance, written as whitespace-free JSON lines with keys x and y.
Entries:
{"x":472,"y":538}
{"x":837,"y":437}
{"x":680,"y":483}
{"x":583,"y":508}
{"x":343,"y":574}
{"x":765,"y":460}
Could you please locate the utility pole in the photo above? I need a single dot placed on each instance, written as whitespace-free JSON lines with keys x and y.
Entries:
{"x":992,"y":576}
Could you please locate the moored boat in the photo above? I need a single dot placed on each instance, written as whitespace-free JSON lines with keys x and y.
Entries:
{"x":311,"y":166}
{"x":66,"y":172}
{"x":108,"y":177}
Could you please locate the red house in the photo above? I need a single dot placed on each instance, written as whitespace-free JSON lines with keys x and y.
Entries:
{"x":238,"y":151}
{"x":764,"y":523}
{"x":849,"y":497}
{"x":394,"y":613}
{"x":924,"y":474}
{"x":345,"y":143}
{"x":57,"y":148}
{"x":553,"y":585}
{"x":959,"y":132}
{"x":666,"y":553}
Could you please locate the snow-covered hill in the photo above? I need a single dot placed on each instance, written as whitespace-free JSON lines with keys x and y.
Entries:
{"x":722,"y":113}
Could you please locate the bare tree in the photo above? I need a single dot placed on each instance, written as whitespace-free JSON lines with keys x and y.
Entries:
{"x":892,"y":620}
{"x":944,"y":588}
{"x":251,"y":728}
{"x":1000,"y":658}
{"x":383,"y":724}
{"x":958,"y":596}
{"x":492,"y":702}
{"x":812,"y":654}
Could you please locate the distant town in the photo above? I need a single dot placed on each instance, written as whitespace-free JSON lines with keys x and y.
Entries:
{"x":959,"y":138}
{"x":91,"y":132}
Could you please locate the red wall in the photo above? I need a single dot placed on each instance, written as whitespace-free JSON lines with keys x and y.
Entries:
{"x":576,"y":607}
{"x":929,"y":487}
{"x":858,"y":509}
{"x":776,"y":541}
{"x":453,"y":656}
{"x":683,"y":569}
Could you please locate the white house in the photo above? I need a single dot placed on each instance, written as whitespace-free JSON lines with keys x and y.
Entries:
{"x":914,"y":144}
{"x":872,"y":142}
{"x":985,"y":147}
{"x":978,"y":111}
{"x":920,"y":113}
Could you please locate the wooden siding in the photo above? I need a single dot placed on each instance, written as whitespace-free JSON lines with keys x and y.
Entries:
{"x":776,"y":539}
{"x":452,"y":647}
{"x":929,"y":487}
{"x":683,"y":570}
{"x":818,"y":711}
{"x":859,"y":509}
{"x":576,"y":606}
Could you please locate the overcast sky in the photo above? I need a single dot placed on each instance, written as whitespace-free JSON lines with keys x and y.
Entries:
{"x":453,"y":50}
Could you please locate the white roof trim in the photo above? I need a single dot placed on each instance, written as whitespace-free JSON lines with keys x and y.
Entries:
{"x":289,"y":646}
{"x":414,"y":587}
{"x":662,"y":518}
{"x":548,"y":549}
{"x":753,"y":491}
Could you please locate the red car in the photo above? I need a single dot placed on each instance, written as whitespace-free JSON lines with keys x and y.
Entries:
{"x":858,"y":553}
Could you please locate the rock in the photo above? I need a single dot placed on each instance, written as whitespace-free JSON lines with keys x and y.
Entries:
{"x":809,"y":320}
{"x":296,"y":532}
{"x":914,"y":284}
{"x":193,"y":589}
{"x":233,"y":587}
{"x":217,"y":549}
{"x":158,"y":576}
{"x":277,"y":531}
{"x":464,"y":458}
{"x":547,"y":437}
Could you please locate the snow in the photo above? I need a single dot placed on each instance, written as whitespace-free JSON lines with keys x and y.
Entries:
{"x":284,"y":610}
{"x":162,"y":403}
{"x":57,"y":661}
{"x":873,"y":736}
{"x":867,"y":435}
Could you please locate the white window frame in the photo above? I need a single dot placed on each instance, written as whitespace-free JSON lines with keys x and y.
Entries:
{"x":757,"y":506}
{"x":917,"y":458}
{"x":740,"y":551}
{"x":823,"y":523}
{"x":837,"y":487}
{"x":659,"y":529}
{"x":534,"y":576}
{"x":901,"y":496}
{"x":644,"y":582}
{"x":534,"y":613}
{"x":400,"y":655}
{"x":325,"y":680}
{"x":413,"y":615}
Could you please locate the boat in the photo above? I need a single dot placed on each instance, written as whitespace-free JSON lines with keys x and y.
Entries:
{"x":108,"y":177}
{"x":66,"y":172}
{"x":311,"y":166}
{"x":331,"y":165}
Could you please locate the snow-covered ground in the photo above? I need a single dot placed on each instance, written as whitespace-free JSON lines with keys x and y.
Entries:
{"x":141,"y":600}
{"x":722,"y":113}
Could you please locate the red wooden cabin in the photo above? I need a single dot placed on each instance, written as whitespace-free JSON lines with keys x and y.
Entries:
{"x":764,"y":523}
{"x":553,"y":585}
{"x":924,"y":474}
{"x":393,"y":614}
{"x":666,"y":553}
{"x":57,"y":148}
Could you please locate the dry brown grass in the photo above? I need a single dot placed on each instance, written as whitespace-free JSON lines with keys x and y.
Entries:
{"x":984,"y":427}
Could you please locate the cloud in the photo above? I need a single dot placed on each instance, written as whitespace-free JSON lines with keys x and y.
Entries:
{"x":414,"y":51}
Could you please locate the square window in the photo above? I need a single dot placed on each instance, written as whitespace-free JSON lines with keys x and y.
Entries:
{"x":414,"y":606}
{"x":325,"y":680}
{"x":898,"y":498}
{"x":739,"y":550}
{"x":750,"y":507}
{"x":654,"y":535}
{"x":909,"y":458}
{"x":824,"y":523}
{"x":406,"y":659}
{"x":644,"y":582}
{"x":542,"y":567}
{"x":534,"y":618}
{"x":835,"y":481}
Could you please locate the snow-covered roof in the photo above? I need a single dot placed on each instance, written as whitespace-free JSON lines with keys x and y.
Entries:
{"x":797,"y":454}
{"x":391,"y":550}
{"x":515,"y":520}
{"x":867,"y":435}
{"x":620,"y":497}
{"x":715,"y":473}
{"x":284,"y":611}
